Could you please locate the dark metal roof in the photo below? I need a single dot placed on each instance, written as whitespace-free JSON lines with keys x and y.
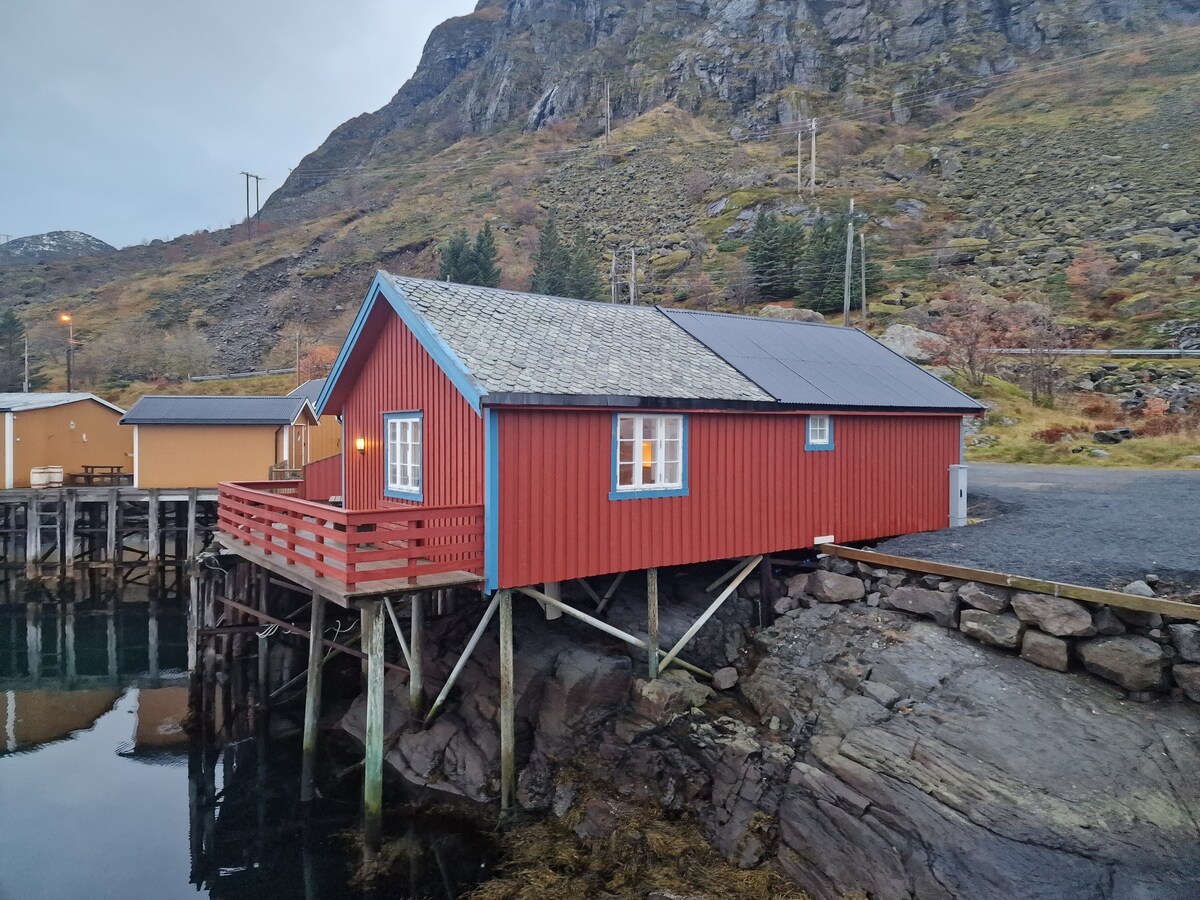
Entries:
{"x":310,"y":390}
{"x":820,"y":366}
{"x":237,"y":410}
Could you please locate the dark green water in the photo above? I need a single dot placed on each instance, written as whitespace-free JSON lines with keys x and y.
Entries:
{"x":104,"y":794}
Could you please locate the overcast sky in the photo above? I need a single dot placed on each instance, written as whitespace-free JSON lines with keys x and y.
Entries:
{"x":131,"y":119}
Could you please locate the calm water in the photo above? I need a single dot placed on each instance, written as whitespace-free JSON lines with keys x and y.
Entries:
{"x":104,"y":795}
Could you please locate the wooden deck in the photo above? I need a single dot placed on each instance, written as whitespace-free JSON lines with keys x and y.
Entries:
{"x":351,"y":555}
{"x":338,"y":592}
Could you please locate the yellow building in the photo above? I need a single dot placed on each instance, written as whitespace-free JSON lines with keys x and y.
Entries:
{"x":198,"y":442}
{"x":325,"y":440}
{"x":71,"y":430}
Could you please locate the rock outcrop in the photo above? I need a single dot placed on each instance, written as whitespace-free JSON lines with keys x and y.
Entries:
{"x":865,"y":750}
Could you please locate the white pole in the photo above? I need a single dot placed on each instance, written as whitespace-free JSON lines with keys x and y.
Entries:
{"x":849,"y":258}
{"x":632,"y":276}
{"x":812,"y":161}
{"x":27,"y":365}
{"x":862,"y":271}
{"x":800,"y":162}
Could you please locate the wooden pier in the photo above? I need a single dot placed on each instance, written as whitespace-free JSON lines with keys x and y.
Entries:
{"x":59,"y":533}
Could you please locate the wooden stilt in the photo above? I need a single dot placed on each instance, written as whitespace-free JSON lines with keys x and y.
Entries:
{"x":372,"y":635}
{"x":264,"y":648}
{"x":508,"y":757}
{"x":652,"y":620}
{"x":462,"y":660}
{"x":33,"y":539}
{"x":611,"y":592}
{"x":387,"y":603}
{"x":416,"y":686}
{"x":766,"y":593}
{"x":67,"y":550}
{"x":552,"y":589}
{"x":312,"y":698}
{"x":111,"y":537}
{"x":733,"y":570}
{"x":708,"y":613}
{"x":191,"y":530}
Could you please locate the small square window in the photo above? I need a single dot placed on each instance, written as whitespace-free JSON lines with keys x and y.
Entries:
{"x":819,"y":434}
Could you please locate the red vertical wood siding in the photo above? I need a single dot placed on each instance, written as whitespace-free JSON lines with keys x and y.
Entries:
{"x":397,"y":376}
{"x":752,"y":489}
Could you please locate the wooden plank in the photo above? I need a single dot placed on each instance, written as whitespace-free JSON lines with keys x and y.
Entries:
{"x":652,"y":620}
{"x":67,"y":551}
{"x":416,"y":645}
{"x":462,"y":660}
{"x":1173,"y":608}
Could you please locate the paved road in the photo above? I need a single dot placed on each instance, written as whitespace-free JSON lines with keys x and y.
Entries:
{"x":1099,"y":527}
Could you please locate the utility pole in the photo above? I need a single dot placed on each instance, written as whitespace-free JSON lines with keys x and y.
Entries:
{"x":812,"y":162}
{"x":607,"y":114}
{"x":250,"y":222}
{"x":612,"y":278}
{"x":27,"y":365}
{"x":297,"y":357}
{"x":69,"y":320}
{"x":862,"y":266}
{"x":632,"y":276}
{"x":849,"y":259}
{"x":800,"y":162}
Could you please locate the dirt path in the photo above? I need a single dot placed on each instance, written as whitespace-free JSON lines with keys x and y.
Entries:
{"x":1100,"y":527}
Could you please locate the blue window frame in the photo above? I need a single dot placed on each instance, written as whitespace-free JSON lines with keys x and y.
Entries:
{"x":649,"y":456}
{"x":403,"y":457}
{"x":818,"y":433}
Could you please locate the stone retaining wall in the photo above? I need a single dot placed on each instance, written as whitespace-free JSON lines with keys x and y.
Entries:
{"x":1138,"y":651}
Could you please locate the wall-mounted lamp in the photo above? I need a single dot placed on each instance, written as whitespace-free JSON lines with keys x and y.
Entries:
{"x":360,"y":444}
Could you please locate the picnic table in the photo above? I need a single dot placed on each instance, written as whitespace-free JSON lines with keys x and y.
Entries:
{"x":105,"y":475}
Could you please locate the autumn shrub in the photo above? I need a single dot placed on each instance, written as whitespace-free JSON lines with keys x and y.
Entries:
{"x":1052,"y":435}
{"x":1097,"y":407}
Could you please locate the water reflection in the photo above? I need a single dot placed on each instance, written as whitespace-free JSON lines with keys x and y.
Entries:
{"x":104,"y":792}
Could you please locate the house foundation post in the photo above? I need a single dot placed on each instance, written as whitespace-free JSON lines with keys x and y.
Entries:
{"x":766,"y":594}
{"x":508,"y":759}
{"x":372,"y":637}
{"x":416,"y":686}
{"x":312,"y":697}
{"x":652,"y":620}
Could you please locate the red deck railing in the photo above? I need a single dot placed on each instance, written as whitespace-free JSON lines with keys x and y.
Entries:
{"x":352,"y":547}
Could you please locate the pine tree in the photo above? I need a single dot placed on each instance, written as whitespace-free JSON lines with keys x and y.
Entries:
{"x":775,"y":256}
{"x":583,"y":276}
{"x":551,"y":263}
{"x":821,"y":277}
{"x":485,"y":257}
{"x":456,"y":260}
{"x":12,"y":356}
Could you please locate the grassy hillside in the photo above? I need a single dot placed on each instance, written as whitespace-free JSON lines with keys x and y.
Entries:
{"x":1071,"y":184}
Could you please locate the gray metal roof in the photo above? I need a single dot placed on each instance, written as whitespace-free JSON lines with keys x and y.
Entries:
{"x":235,"y":410}
{"x":16,"y":402}
{"x":820,"y":365}
{"x":310,"y":390}
{"x":515,"y":343}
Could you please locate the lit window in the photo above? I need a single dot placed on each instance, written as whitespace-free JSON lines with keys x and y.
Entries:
{"x":650,"y":455}
{"x":820,"y":433}
{"x":403,"y":438}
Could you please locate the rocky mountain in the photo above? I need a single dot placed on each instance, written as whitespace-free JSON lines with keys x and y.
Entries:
{"x":757,"y":63}
{"x":52,"y":246}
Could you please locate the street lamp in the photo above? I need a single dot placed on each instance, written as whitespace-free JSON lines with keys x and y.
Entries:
{"x":69,"y":321}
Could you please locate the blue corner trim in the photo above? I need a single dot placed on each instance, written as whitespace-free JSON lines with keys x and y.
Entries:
{"x":446,"y":359}
{"x":649,"y":493}
{"x":491,"y":500}
{"x":415,"y":496}
{"x":818,"y":448}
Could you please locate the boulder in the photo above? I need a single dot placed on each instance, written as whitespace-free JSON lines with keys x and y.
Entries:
{"x":989,"y":599}
{"x":674,"y":692}
{"x":830,"y":587}
{"x":724,"y":679}
{"x":1054,"y":615}
{"x":942,"y":608}
{"x":1134,"y":662}
{"x":913,"y":343}
{"x":1187,"y":676}
{"x":1186,"y":639}
{"x":998,"y":631}
{"x":1139,"y":589}
{"x":587,"y":687}
{"x":1176,"y":218}
{"x":1045,"y":651}
{"x":1106,"y":622}
{"x":790,"y":313}
{"x":797,"y":584}
{"x":904,"y":162}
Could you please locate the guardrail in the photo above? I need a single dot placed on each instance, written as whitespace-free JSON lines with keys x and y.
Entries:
{"x":352,"y":547}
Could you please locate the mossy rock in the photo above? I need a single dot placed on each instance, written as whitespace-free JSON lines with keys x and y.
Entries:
{"x":1138,"y":304}
{"x":672,"y":262}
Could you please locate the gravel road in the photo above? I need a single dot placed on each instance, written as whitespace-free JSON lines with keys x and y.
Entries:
{"x":1099,"y":527}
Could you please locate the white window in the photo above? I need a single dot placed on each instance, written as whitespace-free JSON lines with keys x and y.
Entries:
{"x":403,"y":433}
{"x":819,"y":434}
{"x":649,"y":453}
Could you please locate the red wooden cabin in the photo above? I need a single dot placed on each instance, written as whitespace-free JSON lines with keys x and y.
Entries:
{"x":531,"y":439}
